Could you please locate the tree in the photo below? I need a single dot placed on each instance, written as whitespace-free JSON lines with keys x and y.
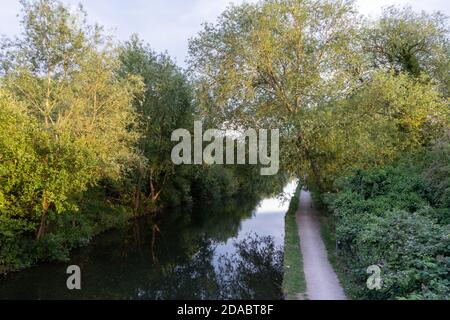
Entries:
{"x":389,"y":115}
{"x":415,"y":43}
{"x":63,"y":72}
{"x":275,"y":64}
{"x":302,"y":67}
{"x":164,"y":106}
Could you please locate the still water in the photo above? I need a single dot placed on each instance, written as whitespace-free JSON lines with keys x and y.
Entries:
{"x":229,"y":251}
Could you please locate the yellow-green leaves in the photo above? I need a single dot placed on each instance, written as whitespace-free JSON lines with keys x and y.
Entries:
{"x":410,"y":42}
{"x":310,"y":69}
{"x":65,"y":72}
{"x":76,"y":112}
{"x":275,"y":64}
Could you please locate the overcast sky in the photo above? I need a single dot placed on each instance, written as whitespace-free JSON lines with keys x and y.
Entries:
{"x":168,"y":24}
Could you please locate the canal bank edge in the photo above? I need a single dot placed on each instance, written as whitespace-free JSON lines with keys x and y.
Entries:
{"x":294,"y":284}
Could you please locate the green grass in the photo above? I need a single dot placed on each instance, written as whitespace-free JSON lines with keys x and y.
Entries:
{"x":294,"y":278}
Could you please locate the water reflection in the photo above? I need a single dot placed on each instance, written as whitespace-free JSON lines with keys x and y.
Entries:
{"x":253,"y":271}
{"x":228,"y":251}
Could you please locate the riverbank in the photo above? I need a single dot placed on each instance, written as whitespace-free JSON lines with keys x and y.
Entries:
{"x":394,"y":217}
{"x":294,"y":281}
{"x":294,"y":278}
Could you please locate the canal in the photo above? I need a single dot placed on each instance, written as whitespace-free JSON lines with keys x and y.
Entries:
{"x":230,"y":251}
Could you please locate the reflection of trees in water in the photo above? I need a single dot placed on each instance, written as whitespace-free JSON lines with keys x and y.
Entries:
{"x":254,"y":271}
{"x":175,"y":260}
{"x":193,"y":279}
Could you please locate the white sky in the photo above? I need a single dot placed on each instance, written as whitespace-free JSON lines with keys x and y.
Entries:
{"x":168,"y":24}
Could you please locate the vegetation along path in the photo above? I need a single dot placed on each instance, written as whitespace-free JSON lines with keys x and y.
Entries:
{"x":321,"y":280}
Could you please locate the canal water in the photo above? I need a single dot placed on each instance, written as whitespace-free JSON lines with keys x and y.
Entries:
{"x":230,"y":251}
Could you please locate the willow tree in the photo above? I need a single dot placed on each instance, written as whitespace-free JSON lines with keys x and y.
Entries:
{"x":275,"y":64}
{"x":303,"y":66}
{"x":64,"y":72}
{"x":389,"y":115}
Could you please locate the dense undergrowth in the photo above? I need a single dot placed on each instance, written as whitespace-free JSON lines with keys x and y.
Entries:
{"x":397,"y":217}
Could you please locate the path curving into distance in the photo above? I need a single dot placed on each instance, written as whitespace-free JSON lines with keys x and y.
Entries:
{"x":321,"y":281}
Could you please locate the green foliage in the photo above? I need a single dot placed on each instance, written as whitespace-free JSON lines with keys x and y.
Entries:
{"x":415,"y":43}
{"x":388,"y":115}
{"x":273,"y":64}
{"x":328,"y":233}
{"x":85,"y":137}
{"x":16,"y":254}
{"x":65,"y":125}
{"x":437,"y":178}
{"x":62,"y":72}
{"x":85,"y":130}
{"x":312,"y":69}
{"x":347,"y":96}
{"x":397,"y":218}
{"x":165,"y":106}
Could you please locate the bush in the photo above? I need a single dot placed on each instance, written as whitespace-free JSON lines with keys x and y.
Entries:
{"x":397,"y":217}
{"x":410,"y":249}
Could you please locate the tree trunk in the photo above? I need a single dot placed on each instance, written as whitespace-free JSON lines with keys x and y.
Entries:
{"x":152,"y":186}
{"x":137,"y":196}
{"x":137,"y":200}
{"x":314,"y":169}
{"x":42,"y":227}
{"x":317,"y":178}
{"x":154,"y":193}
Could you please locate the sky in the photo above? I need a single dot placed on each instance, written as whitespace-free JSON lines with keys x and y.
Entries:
{"x":168,"y":24}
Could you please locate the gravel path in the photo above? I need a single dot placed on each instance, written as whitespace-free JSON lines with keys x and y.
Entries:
{"x":321,"y":280}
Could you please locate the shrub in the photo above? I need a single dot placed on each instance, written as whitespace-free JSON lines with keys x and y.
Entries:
{"x":397,"y":217}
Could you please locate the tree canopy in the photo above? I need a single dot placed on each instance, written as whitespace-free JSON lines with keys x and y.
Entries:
{"x":310,"y":69}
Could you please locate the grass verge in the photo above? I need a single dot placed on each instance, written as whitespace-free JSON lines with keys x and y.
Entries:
{"x":294,"y":278}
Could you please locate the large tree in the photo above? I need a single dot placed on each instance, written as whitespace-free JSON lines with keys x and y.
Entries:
{"x":300,"y":66}
{"x":274,"y":63}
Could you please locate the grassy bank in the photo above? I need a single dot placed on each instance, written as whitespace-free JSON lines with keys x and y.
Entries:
{"x":294,"y":278}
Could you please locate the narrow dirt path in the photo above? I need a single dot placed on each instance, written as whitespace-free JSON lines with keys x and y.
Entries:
{"x":321,"y":280}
